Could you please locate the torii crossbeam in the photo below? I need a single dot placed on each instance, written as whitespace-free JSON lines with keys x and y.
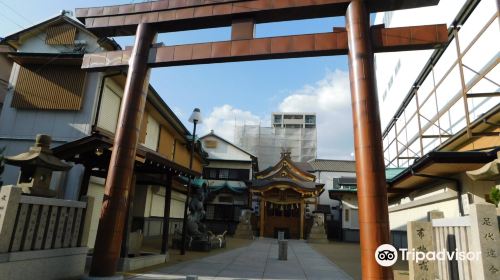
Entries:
{"x":358,"y":40}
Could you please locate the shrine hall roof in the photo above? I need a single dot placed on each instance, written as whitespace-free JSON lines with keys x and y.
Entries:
{"x":263,"y":183}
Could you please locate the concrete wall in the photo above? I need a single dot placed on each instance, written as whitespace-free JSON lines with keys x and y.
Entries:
{"x":65,"y":263}
{"x":5,"y":69}
{"x":61,"y":125}
{"x":149,"y":201}
{"x":350,"y":209}
{"x":223,"y":150}
{"x":439,"y":196}
{"x":37,"y":43}
{"x":326,"y":177}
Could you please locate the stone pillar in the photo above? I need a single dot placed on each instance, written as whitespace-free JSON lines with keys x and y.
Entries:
{"x":485,"y":238}
{"x":420,"y":239}
{"x":121,"y":166}
{"x":9,"y":202}
{"x":302,"y":210}
{"x":262,"y":212}
{"x":370,"y":169}
{"x":84,"y":241}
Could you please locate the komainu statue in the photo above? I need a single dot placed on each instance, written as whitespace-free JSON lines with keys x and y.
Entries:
{"x":245,"y":216}
{"x":198,"y":238}
{"x":244,"y":228}
{"x":318,"y":233}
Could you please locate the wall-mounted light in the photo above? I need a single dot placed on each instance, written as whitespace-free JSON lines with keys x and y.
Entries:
{"x":99,"y":151}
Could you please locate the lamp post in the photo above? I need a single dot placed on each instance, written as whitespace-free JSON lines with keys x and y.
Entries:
{"x":195,"y":119}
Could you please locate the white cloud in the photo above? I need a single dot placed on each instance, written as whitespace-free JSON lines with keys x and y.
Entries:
{"x":223,"y":119}
{"x":330,"y":99}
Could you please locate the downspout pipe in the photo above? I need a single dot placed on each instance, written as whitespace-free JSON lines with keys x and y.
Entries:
{"x":457,"y":182}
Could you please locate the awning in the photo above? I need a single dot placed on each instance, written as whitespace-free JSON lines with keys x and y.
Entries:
{"x":440,"y":164}
{"x":233,"y":186}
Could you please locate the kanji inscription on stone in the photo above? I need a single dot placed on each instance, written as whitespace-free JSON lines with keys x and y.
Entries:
{"x":420,"y":238}
{"x":485,"y":239}
{"x":9,"y":203}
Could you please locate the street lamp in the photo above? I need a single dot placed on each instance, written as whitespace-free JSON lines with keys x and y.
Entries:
{"x":195,"y":119}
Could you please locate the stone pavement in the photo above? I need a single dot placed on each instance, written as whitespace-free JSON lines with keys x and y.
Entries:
{"x":257,"y":261}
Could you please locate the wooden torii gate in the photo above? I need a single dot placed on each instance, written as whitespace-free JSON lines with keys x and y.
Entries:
{"x":358,"y":40}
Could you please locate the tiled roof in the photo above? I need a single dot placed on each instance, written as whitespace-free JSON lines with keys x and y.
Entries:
{"x":304,"y":166}
{"x":262,"y":183}
{"x":333,"y":165}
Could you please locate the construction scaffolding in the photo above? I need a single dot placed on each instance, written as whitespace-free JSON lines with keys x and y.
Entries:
{"x":456,"y":91}
{"x":267,"y":143}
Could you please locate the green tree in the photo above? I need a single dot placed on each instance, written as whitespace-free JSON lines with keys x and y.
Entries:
{"x":1,"y":164}
{"x":495,"y":195}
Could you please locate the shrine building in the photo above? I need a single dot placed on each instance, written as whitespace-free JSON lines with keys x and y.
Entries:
{"x":284,"y":192}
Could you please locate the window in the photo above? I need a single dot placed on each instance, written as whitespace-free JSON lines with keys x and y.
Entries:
{"x":346,"y":219}
{"x":109,"y":109}
{"x":277,"y":118}
{"x":210,"y":144}
{"x":224,"y":174}
{"x":210,"y":212}
{"x":212,"y":174}
{"x":57,"y":87}
{"x":310,"y":119}
{"x":294,"y":117}
{"x":152,"y":133}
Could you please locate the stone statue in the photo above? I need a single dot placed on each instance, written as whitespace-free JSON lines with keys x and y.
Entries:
{"x":318,"y":232}
{"x":198,"y":237}
{"x":245,"y":216}
{"x":244,"y":228}
{"x":195,"y":228}
{"x":319,"y":219}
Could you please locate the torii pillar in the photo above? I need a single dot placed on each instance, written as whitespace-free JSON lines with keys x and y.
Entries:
{"x":372,"y":192}
{"x":121,"y":166}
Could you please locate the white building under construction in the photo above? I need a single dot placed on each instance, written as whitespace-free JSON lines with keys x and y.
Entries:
{"x":294,"y":132}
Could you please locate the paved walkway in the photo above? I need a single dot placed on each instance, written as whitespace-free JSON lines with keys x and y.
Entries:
{"x":257,"y":261}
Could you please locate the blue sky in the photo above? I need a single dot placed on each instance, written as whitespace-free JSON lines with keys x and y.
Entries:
{"x":245,"y":92}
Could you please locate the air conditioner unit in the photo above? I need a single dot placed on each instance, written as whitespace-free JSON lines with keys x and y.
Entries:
{"x":80,"y":42}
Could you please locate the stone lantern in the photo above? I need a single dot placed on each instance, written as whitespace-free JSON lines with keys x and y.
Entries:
{"x":37,"y":166}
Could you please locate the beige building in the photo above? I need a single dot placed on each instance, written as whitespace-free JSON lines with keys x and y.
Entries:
{"x":5,"y":68}
{"x":50,"y":94}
